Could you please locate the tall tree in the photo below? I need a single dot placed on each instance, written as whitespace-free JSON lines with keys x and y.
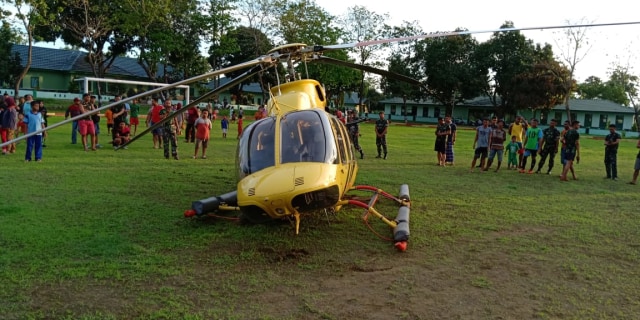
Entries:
{"x":220,"y":20}
{"x":360,"y":24}
{"x":9,"y":69}
{"x":32,"y":14}
{"x":448,"y":69}
{"x":621,"y":77}
{"x":401,"y":53}
{"x":306,"y":22}
{"x":504,"y":56}
{"x":575,"y":48}
{"x":542,"y":87}
{"x":595,"y":88}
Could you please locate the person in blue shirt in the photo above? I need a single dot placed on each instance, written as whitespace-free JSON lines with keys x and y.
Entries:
{"x":34,"y":123}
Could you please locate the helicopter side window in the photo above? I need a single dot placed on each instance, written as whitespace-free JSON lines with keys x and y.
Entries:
{"x":256,"y":148}
{"x":342,"y":152}
{"x":303,"y":138}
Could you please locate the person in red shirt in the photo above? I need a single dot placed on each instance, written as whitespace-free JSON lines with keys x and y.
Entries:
{"x":123,"y":134}
{"x":239,"y":126}
{"x":190,"y":131}
{"x":203,"y":128}
{"x":152,"y":118}
{"x":72,"y":111}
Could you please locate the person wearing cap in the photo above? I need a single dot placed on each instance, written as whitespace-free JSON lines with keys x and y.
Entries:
{"x":611,"y":142}
{"x":72,"y":111}
{"x":532,"y":141}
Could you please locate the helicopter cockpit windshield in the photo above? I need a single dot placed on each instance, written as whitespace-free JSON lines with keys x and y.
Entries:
{"x":306,"y":138}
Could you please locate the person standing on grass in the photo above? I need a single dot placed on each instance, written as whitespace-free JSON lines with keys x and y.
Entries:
{"x":571,"y":141}
{"x":8,"y":125}
{"x":513,"y":149}
{"x":549,"y":145}
{"x":636,"y":168}
{"x":203,"y":128}
{"x":45,"y":118}
{"x":71,"y":112}
{"x":134,"y":117}
{"x":517,"y":129}
{"x":611,"y":142}
{"x":481,"y":144}
{"x":190,"y":132}
{"x":381,"y":128}
{"x":567,"y":127}
{"x":442,"y":132}
{"x":169,"y":129}
{"x":34,"y":123}
{"x":496,"y":144}
{"x":152,"y":118}
{"x":240,"y":122}
{"x":451,"y":141}
{"x":532,"y":142}
{"x":224,"y":123}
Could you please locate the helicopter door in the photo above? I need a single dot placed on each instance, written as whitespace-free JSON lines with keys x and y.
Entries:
{"x":344,"y":146}
{"x":256,"y":149}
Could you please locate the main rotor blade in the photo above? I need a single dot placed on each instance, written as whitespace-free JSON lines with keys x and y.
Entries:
{"x":264,"y":60}
{"x":202,"y":98}
{"x":459,"y":33}
{"x":385,"y":73}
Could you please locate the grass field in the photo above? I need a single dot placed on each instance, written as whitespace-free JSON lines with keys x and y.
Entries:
{"x":100,"y":235}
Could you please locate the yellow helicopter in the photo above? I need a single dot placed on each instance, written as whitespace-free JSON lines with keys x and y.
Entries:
{"x":297,"y":160}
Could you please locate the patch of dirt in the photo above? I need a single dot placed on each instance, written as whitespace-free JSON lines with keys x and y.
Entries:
{"x":283,"y":255}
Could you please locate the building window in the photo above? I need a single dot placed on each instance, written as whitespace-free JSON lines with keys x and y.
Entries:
{"x":393,"y":109}
{"x":425,"y":111}
{"x":604,"y":119}
{"x":619,"y":122}
{"x":543,"y":117}
{"x":436,"y":112}
{"x":558,"y":116}
{"x":35,"y":82}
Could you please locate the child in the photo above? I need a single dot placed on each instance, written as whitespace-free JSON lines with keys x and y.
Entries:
{"x":203,"y":127}
{"x":239,"y":126}
{"x":514,"y":150}
{"x":225,"y":126}
{"x":109,"y":115}
{"x":123,"y":135}
{"x":169,"y":129}
{"x":34,"y":123}
{"x":22,"y":126}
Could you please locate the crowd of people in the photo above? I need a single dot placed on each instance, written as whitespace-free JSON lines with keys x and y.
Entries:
{"x":521,"y":142}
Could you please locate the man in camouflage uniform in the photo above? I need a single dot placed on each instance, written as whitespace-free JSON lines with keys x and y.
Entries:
{"x":354,"y":132}
{"x":169,"y":129}
{"x":381,"y":135}
{"x":549,"y":146}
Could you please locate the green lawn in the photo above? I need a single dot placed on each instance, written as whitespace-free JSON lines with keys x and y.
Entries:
{"x":100,"y":235}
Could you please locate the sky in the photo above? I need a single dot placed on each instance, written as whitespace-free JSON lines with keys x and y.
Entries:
{"x":607,"y":45}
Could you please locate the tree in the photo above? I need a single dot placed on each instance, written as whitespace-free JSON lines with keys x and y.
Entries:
{"x":306,"y":22}
{"x":542,"y":87}
{"x":504,"y":56}
{"x":595,"y":88}
{"x":621,"y":76}
{"x":401,"y":53}
{"x":9,"y":67}
{"x":220,"y":20}
{"x":572,"y":53}
{"x":360,"y":24}
{"x":249,"y":43}
{"x":32,"y":14}
{"x":447,"y":67}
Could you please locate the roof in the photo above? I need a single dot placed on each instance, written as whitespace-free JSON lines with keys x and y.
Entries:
{"x":75,"y":61}
{"x":591,"y":105}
